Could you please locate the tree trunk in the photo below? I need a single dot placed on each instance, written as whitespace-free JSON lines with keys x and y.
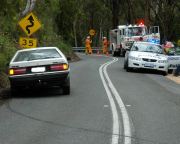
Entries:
{"x":75,"y":34}
{"x":147,"y":13}
{"x":115,"y":12}
{"x":29,"y":7}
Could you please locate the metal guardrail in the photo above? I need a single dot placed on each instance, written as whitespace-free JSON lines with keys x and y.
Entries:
{"x":82,"y":49}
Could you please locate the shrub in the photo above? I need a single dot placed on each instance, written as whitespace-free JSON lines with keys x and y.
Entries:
{"x":56,"y":41}
{"x":7,"y":50}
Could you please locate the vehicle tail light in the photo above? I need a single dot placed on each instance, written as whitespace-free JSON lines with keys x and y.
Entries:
{"x":59,"y":67}
{"x":141,"y":39}
{"x":17,"y":71}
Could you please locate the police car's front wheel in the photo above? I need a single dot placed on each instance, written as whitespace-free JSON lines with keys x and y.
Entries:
{"x":164,"y":73}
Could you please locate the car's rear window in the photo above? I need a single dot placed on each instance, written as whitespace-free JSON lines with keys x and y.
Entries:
{"x":37,"y":55}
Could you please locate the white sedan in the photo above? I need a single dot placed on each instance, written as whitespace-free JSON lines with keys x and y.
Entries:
{"x":146,"y":56}
{"x":39,"y":67}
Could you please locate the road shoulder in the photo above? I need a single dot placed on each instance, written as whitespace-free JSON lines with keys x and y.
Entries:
{"x":175,"y":79}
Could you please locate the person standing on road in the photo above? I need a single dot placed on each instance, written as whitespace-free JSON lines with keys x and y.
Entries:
{"x":88,"y":42}
{"x":167,"y":46}
{"x":105,"y":46}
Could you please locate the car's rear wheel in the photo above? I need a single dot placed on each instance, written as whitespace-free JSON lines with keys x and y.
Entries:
{"x":114,"y":53}
{"x":128,"y":69}
{"x":66,"y":90}
{"x":122,"y":52}
{"x":125,"y":64}
{"x":66,"y":87}
{"x":14,"y":90}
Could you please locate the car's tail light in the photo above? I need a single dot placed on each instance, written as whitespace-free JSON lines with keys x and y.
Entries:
{"x":59,"y":67}
{"x":18,"y":71}
{"x":141,"y":39}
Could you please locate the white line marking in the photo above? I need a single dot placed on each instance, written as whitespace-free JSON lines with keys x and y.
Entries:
{"x":106,"y":106}
{"x":115,"y":131}
{"x":128,"y":105}
{"x":125,"y":117}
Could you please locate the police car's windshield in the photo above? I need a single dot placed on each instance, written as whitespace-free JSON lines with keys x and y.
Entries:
{"x":136,"y":31}
{"x":147,"y":48}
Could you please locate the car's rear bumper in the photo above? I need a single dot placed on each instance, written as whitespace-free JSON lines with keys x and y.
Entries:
{"x":50,"y":79}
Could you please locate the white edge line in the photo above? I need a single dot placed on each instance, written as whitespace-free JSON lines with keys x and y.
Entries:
{"x":125,"y":117}
{"x":115,"y":134}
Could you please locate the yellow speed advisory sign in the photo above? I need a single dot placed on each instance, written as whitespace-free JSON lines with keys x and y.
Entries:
{"x":92,"y":32}
{"x":30,"y":24}
{"x":27,"y":42}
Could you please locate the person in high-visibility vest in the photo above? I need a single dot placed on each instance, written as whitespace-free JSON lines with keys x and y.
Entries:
{"x":167,"y":46}
{"x":88,"y":42}
{"x":105,"y":46}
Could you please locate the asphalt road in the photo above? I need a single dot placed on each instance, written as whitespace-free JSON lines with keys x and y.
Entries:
{"x":153,"y":104}
{"x":93,"y":113}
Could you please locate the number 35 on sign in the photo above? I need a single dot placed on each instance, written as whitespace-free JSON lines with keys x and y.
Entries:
{"x":27,"y":42}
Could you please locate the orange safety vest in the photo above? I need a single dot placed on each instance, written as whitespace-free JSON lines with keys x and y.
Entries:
{"x":88,"y":42}
{"x":105,"y":43}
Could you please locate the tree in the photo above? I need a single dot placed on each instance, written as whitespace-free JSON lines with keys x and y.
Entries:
{"x":164,"y":15}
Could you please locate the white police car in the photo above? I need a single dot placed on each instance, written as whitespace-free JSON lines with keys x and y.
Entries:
{"x":146,"y":55}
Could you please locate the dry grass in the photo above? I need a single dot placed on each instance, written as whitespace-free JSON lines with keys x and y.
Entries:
{"x":4,"y":82}
{"x":176,"y":79}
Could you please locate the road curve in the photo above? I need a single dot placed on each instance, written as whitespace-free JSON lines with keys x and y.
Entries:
{"x":151,"y":108}
{"x":46,"y":116}
{"x":153,"y":104}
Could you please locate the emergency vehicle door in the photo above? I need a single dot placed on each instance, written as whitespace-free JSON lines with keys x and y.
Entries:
{"x":118,"y":39}
{"x":154,"y":33}
{"x":154,"y":29}
{"x":121,"y":35}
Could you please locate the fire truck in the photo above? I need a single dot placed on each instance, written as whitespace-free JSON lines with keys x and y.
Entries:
{"x":123,"y":37}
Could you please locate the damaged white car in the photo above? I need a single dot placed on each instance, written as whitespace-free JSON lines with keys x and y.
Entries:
{"x":144,"y":55}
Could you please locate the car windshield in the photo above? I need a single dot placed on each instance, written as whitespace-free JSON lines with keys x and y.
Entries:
{"x":147,"y":48}
{"x":135,"y":31}
{"x":37,"y":55}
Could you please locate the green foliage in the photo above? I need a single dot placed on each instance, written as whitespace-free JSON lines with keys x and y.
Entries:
{"x":9,"y":14}
{"x":7,"y":50}
{"x":3,"y":62}
{"x":56,"y":41}
{"x":72,"y":19}
{"x":4,"y":83}
{"x":65,"y":18}
{"x":76,"y":17}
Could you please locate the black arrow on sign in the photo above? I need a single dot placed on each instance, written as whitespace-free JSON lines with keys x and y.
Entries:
{"x":31,"y":20}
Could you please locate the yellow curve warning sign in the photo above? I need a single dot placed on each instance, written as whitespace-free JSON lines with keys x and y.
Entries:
{"x":30,"y":24}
